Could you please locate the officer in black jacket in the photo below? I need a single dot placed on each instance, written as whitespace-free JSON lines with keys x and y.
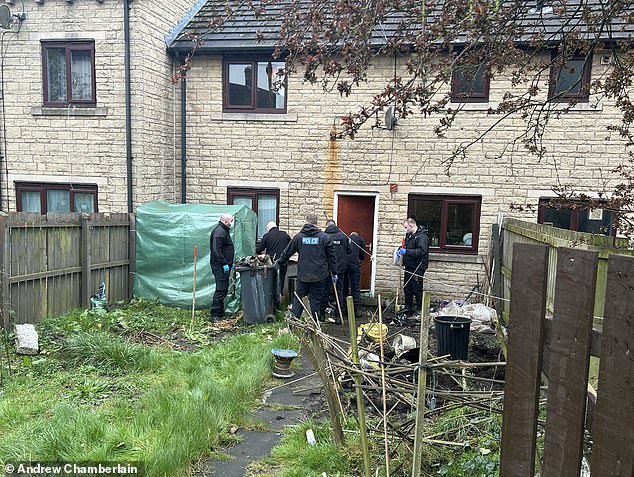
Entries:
{"x":415,"y":255}
{"x":317,"y":262}
{"x":221,"y":261}
{"x":356,"y":255}
{"x":342,"y":247}
{"x":274,"y":242}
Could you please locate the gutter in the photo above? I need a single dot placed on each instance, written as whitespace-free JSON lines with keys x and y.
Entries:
{"x":128,"y":101}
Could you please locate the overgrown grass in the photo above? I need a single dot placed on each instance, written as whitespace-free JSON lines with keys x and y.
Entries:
{"x":97,"y":397}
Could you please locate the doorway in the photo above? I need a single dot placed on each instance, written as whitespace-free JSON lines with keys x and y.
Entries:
{"x":357,"y":212}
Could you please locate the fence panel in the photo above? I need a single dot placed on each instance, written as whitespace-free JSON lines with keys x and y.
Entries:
{"x":55,"y":262}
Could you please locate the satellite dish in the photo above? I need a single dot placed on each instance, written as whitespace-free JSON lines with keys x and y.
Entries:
{"x":390,"y":119}
{"x":6,"y":19}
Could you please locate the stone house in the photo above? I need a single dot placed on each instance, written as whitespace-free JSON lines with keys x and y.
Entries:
{"x":72,"y":140}
{"x":247,"y":143}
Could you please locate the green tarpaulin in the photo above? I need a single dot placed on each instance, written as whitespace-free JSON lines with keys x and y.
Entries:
{"x":165,"y":238}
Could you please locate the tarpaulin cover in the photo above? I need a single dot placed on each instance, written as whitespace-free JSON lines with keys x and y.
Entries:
{"x":165,"y":238}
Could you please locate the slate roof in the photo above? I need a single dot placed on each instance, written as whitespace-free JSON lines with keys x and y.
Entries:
{"x":240,"y":32}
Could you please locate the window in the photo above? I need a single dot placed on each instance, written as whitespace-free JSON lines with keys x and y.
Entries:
{"x":453,"y":223}
{"x":595,"y":221}
{"x":43,"y":198}
{"x":68,"y":73}
{"x":470,"y":84}
{"x":264,"y":202}
{"x":254,"y":85}
{"x":570,"y":81}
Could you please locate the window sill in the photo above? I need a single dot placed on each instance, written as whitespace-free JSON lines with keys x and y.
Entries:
{"x":454,"y":257}
{"x":260,"y":117}
{"x":592,"y":106}
{"x":474,"y":106}
{"x":98,"y":111}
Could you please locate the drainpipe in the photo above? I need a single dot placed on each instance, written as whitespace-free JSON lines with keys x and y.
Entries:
{"x":128,"y":100}
{"x":184,"y":138}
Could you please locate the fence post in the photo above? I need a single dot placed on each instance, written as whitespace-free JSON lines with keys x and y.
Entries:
{"x":131,"y":255}
{"x":85,"y":260}
{"x":497,"y":268}
{"x":5,"y":270}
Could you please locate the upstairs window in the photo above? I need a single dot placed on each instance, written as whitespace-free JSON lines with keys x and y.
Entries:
{"x":452,"y":222}
{"x":254,"y":85}
{"x":43,"y":198}
{"x":470,"y":84}
{"x":68,"y":73}
{"x":570,"y":80}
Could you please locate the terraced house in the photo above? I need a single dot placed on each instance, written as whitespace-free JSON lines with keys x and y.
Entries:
{"x":90,"y":126}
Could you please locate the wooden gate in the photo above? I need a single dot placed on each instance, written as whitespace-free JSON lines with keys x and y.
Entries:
{"x":561,"y":349}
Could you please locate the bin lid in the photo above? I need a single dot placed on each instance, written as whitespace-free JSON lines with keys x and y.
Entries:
{"x":453,"y":320}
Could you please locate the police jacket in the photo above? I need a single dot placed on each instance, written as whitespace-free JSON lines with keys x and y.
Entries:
{"x":417,"y":250}
{"x":342,"y":247}
{"x":356,"y":254}
{"x":316,"y":254}
{"x":273,"y":242}
{"x":221,"y":246}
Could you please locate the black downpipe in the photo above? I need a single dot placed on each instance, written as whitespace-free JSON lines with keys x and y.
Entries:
{"x":184,"y":138}
{"x":128,"y":99}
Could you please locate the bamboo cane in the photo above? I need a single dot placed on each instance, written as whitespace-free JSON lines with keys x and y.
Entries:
{"x":359,"y":392}
{"x":194,"y":291}
{"x":334,"y":286}
{"x":422,"y":382}
{"x":387,"y":451}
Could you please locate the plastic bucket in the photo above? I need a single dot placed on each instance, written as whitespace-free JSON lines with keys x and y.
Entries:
{"x":452,"y":336}
{"x":403,"y":343}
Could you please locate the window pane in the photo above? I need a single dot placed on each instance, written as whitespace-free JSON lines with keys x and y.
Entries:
{"x":56,"y":73}
{"x":267,"y":212}
{"x":560,"y":218}
{"x":470,"y":81}
{"x":597,"y":222}
{"x":427,"y":213}
{"x":84,"y":203}
{"x":569,"y":78}
{"x":240,"y":84}
{"x":58,"y":201}
{"x":460,"y":224}
{"x":31,"y":202}
{"x":270,"y":92}
{"x":81,"y":74}
{"x":243,"y":200}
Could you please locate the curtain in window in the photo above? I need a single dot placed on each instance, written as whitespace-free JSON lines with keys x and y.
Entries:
{"x":31,"y":202}
{"x":81,"y":74}
{"x":58,"y":201}
{"x":267,"y":212}
{"x":84,"y":203}
{"x":56,"y":74}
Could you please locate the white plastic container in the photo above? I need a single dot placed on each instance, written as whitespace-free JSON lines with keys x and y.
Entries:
{"x":310,"y":437}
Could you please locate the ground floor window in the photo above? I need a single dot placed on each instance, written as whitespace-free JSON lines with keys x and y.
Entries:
{"x":594,"y":221}
{"x":46,"y":197}
{"x":264,"y":202}
{"x":452,"y":222}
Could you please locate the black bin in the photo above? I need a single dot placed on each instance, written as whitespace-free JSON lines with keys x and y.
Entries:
{"x":452,"y":336}
{"x":258,"y":284}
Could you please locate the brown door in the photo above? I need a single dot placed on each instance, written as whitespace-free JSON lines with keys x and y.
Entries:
{"x":355,"y":213}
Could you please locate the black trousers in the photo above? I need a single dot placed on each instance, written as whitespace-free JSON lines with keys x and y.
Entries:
{"x":314,"y":291}
{"x":281,"y":275}
{"x":327,"y":284}
{"x":222,"y":287}
{"x":352,"y":283}
{"x":413,"y":289}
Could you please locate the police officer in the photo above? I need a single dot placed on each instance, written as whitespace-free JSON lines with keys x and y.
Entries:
{"x":273,"y":242}
{"x":352,"y":280}
{"x":317,"y":262}
{"x":415,"y":253}
{"x":342,"y":246}
{"x":221,"y":262}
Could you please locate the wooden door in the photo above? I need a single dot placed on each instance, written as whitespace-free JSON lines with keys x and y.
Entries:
{"x":355,"y":213}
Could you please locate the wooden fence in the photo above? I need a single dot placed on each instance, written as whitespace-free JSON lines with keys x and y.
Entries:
{"x":562,"y":348}
{"x":53,"y":263}
{"x":517,"y":231}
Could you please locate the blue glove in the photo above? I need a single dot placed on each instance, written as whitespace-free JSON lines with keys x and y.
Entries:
{"x":401,"y":251}
{"x":225,"y":268}
{"x":334,"y":278}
